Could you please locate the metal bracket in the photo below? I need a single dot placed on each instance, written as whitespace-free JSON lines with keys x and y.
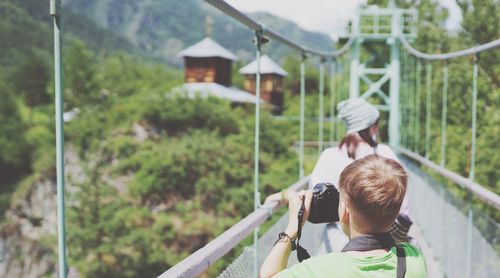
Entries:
{"x":260,"y":39}
{"x":304,"y":55}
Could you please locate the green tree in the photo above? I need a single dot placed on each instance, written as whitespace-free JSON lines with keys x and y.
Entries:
{"x":31,"y":79}
{"x":80,"y":80}
{"x":13,"y":150}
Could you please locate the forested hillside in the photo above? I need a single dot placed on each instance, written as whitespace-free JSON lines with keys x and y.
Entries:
{"x":151,"y":177}
{"x":163,"y":28}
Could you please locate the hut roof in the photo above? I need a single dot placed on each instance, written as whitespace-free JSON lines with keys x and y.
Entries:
{"x":267,"y":66}
{"x":207,"y":48}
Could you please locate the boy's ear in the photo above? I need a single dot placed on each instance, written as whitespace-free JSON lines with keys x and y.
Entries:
{"x":344,"y":213}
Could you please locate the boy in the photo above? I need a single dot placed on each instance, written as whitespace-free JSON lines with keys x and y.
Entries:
{"x":371,"y":193}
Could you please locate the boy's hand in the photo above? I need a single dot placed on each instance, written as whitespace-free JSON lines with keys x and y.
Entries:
{"x":293,"y":211}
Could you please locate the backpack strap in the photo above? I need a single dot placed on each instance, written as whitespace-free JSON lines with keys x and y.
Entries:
{"x":401,"y":267}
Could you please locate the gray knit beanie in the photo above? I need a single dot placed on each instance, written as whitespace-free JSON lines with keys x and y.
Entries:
{"x":357,"y":114}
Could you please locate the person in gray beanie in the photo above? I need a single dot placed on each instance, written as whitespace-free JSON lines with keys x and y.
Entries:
{"x":361,"y":121}
{"x":357,"y":114}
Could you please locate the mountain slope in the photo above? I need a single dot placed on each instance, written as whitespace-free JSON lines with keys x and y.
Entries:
{"x":74,"y":26}
{"x":162,"y":28}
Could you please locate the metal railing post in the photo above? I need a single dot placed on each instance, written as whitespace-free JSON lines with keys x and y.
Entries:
{"x":59,"y":100}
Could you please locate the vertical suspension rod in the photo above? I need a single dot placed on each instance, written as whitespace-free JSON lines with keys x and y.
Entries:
{"x":302,"y":108}
{"x":258,"y":36}
{"x":61,"y":232}
{"x":428,"y":110}
{"x":402,"y":91}
{"x":412,"y":103}
{"x":418,"y":104}
{"x":474,"y":119}
{"x":444,"y":113}
{"x":333,"y":101}
{"x":321,"y":106}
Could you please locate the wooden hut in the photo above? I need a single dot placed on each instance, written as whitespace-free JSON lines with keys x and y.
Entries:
{"x":271,"y":81}
{"x":208,"y":73}
{"x":207,"y":61}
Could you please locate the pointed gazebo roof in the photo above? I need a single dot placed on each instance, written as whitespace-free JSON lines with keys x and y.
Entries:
{"x":207,"y":48}
{"x":267,"y":66}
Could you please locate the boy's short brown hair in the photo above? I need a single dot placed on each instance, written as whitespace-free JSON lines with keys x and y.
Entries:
{"x":374,"y":187}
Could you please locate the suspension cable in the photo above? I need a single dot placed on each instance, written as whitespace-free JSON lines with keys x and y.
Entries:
{"x":55,"y":6}
{"x":258,"y":44}
{"x":451,"y":55}
{"x":302,"y":108}
{"x":340,"y":94}
{"x":412,"y":96}
{"x":256,"y":26}
{"x":418,"y":104}
{"x":444,"y":111}
{"x":320,"y":108}
{"x":474,"y":118}
{"x":428,"y":109}
{"x":333,"y":103}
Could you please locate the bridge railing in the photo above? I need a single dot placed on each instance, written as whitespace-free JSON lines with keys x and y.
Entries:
{"x":476,"y":189}
{"x":200,"y":260}
{"x":465,"y":240}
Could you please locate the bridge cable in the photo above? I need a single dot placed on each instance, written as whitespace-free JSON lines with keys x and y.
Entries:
{"x":428,"y":109}
{"x":333,"y":103}
{"x":258,"y":45}
{"x":413,"y":100}
{"x":404,"y":92}
{"x":59,"y":102}
{"x":321,"y":113}
{"x":444,"y":111}
{"x":451,"y":55}
{"x":256,"y":26}
{"x":418,"y":106}
{"x":302,"y":108}
{"x":474,"y":117}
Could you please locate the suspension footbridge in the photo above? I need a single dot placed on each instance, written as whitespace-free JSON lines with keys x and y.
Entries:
{"x":459,"y":239}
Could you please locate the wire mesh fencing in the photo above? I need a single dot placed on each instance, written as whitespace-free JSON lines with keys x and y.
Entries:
{"x":243,"y":265}
{"x":464,"y":239}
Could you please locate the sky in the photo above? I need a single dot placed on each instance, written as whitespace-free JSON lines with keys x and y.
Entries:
{"x":325,"y":16}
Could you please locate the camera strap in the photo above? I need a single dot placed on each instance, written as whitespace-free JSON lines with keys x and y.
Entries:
{"x":378,"y":241}
{"x":302,"y":253}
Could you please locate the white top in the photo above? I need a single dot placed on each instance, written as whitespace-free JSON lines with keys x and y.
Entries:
{"x":208,"y":89}
{"x":267,"y":66}
{"x":333,"y":161}
{"x":207,"y":48}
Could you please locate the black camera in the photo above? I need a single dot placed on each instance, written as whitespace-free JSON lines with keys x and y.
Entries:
{"x":324,"y":204}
